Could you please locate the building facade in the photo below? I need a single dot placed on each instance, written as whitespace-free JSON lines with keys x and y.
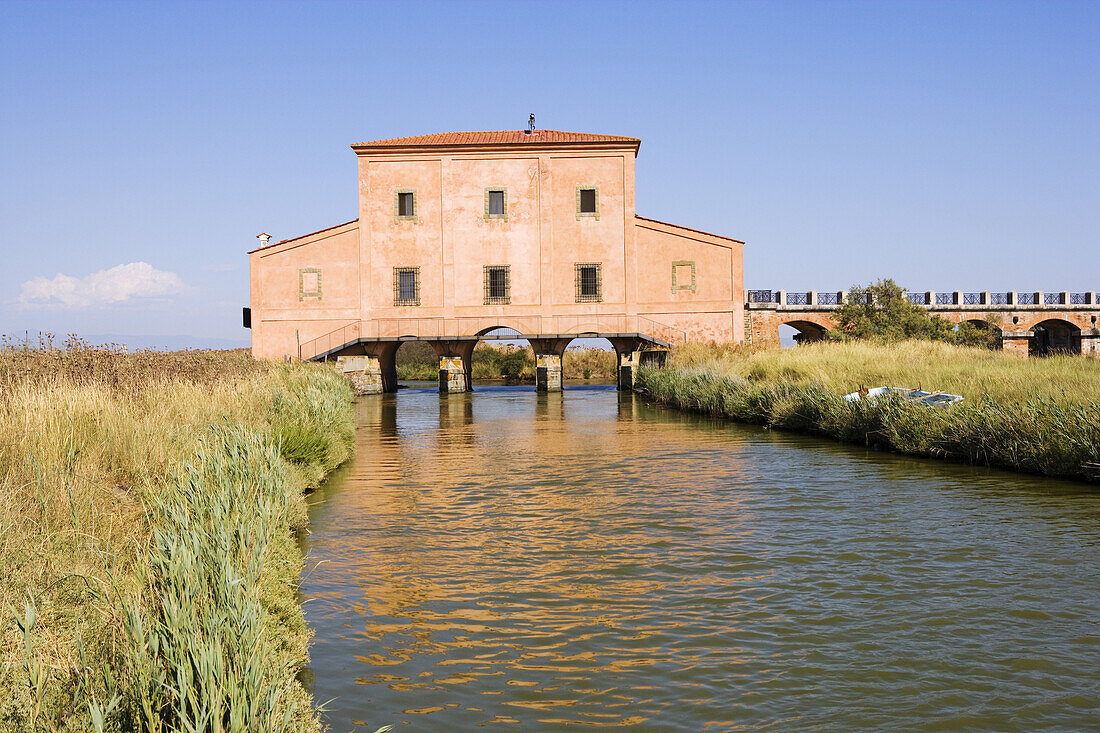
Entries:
{"x":460,"y":233}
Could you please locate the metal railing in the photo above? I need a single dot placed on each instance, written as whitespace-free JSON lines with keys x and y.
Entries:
{"x":468,"y":327}
{"x":953,"y":298}
{"x":761,"y":296}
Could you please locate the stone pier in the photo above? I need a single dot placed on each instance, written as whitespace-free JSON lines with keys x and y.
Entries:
{"x":454,"y":364}
{"x":374,"y":369}
{"x":548,"y":371}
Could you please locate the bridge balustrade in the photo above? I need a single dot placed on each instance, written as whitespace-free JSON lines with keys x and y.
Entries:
{"x":761,"y":296}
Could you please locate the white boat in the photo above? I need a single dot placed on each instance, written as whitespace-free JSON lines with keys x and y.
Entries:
{"x":931,"y":399}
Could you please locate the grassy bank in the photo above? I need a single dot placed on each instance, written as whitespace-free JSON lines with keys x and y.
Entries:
{"x":417,"y":362}
{"x":1040,"y":416}
{"x":148,"y":568}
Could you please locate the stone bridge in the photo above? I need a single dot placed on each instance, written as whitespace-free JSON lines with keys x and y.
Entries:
{"x":367,"y":349}
{"x":1026,"y":324}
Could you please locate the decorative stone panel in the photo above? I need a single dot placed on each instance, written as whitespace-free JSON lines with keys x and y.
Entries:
{"x":309,"y":283}
{"x":683,"y":275}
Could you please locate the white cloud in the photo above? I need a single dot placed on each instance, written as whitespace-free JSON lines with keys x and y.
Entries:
{"x":116,"y":285}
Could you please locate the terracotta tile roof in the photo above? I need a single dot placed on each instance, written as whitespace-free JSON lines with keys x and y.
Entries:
{"x":497,"y":137}
{"x":689,"y":229}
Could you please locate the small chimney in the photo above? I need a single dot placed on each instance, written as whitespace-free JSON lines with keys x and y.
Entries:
{"x":530,"y":125}
{"x":263,"y":237}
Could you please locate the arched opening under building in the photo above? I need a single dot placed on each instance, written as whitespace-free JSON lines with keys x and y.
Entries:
{"x":794,"y":333}
{"x":1054,"y":336}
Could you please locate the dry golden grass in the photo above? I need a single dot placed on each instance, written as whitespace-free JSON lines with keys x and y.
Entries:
{"x":89,"y":438}
{"x":846,"y":366}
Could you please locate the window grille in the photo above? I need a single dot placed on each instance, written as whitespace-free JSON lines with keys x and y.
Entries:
{"x":589,"y":288}
{"x":497,"y":285}
{"x":404,"y":203}
{"x":496,"y":203}
{"x":406,"y":286}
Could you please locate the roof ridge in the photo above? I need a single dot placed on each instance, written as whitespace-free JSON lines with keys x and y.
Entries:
{"x":478,"y":137}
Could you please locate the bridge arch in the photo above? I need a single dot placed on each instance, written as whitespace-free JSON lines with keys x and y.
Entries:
{"x":991,"y":331}
{"x":1054,"y":336}
{"x":809,"y":327}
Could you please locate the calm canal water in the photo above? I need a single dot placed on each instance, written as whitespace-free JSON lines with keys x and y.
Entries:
{"x":508,"y":560}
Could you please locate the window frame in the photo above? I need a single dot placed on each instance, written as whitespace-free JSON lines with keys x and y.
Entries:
{"x":578,"y":269}
{"x":397,"y":299}
{"x":397,"y":215}
{"x":491,"y":299}
{"x":503,"y":190}
{"x":596,"y":195}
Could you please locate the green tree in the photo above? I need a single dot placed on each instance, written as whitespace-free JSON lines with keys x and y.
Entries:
{"x":883,"y":311}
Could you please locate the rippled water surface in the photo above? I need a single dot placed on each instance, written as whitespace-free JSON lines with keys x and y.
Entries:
{"x":545,"y":562}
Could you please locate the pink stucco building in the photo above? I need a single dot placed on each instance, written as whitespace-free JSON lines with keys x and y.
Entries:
{"x":460,"y":233}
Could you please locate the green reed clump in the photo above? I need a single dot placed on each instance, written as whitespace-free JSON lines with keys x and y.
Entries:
{"x":1039,"y":435}
{"x":206,"y":652}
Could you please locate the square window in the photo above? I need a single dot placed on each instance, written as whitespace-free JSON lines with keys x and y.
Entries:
{"x":404,"y":204}
{"x":497,"y":285}
{"x":588,"y":282}
{"x":588,"y":201}
{"x":406,"y":286}
{"x":496,"y":203}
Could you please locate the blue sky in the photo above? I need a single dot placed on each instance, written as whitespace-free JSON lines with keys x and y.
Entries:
{"x":144,"y":145}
